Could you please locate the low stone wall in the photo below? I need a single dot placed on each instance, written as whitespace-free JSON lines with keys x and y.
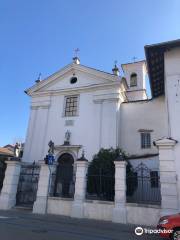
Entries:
{"x":143,"y":214}
{"x":100,"y":210}
{"x":60,"y":206}
{"x":103,"y":210}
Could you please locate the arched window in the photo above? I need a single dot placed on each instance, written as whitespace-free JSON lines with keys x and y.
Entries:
{"x":133,"y":80}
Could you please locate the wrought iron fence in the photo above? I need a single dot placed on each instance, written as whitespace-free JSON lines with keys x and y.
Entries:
{"x":143,"y":186}
{"x":100,"y":186}
{"x":28,"y":184}
{"x":61,"y":187}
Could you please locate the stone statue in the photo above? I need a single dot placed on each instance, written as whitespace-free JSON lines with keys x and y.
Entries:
{"x":51,"y":147}
{"x":67,"y":137}
{"x":17,"y":149}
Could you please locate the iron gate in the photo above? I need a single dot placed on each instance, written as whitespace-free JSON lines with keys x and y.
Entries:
{"x":143,"y":185}
{"x":64,"y":181}
{"x":100,"y":186}
{"x":2,"y":173}
{"x":28,"y":184}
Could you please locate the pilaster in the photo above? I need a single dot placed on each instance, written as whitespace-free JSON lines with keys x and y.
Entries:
{"x":119,"y":211}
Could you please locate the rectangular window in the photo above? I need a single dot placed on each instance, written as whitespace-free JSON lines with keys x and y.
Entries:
{"x":71,"y":106}
{"x":154,"y":179}
{"x":145,"y":140}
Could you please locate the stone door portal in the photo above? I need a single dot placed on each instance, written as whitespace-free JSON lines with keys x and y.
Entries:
{"x":64,"y":183}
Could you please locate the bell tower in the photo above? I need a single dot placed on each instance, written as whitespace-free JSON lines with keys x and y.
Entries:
{"x":135,"y":74}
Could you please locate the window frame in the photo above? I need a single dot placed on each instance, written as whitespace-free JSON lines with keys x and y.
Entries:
{"x":65,"y":105}
{"x":147,"y":142}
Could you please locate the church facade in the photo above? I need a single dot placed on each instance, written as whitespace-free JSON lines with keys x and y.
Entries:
{"x":97,"y":110}
{"x":81,"y":109}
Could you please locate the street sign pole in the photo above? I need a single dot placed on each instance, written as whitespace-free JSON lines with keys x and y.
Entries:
{"x":49,"y":160}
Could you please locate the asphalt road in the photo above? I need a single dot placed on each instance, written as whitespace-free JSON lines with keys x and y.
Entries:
{"x":22,"y":225}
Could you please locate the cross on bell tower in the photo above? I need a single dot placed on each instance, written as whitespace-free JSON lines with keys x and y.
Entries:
{"x":76,"y":60}
{"x":115,"y":69}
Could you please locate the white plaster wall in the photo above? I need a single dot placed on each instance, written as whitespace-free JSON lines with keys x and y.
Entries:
{"x":92,"y":210}
{"x":29,"y":135}
{"x":84,"y":79}
{"x":136,"y":95}
{"x":151,"y":162}
{"x":59,"y":206}
{"x":148,"y":115}
{"x":140,"y":69}
{"x":101,"y":210}
{"x":94,"y":127}
{"x":98,"y":210}
{"x":172,"y":92}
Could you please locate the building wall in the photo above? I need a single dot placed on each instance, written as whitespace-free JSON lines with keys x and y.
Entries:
{"x":94,"y":127}
{"x":152,"y":162}
{"x":172,"y":92}
{"x":136,"y":95}
{"x":135,"y":116}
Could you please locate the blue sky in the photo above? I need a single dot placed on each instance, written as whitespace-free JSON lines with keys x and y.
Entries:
{"x":40,"y":36}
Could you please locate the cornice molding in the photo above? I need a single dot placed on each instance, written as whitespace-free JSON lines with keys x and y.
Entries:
{"x":78,"y":90}
{"x":111,"y":97}
{"x":39,"y":107}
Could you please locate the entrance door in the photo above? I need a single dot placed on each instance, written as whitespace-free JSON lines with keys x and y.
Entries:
{"x":64,"y":184}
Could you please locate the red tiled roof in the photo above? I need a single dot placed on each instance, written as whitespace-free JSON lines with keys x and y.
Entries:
{"x":5,"y":151}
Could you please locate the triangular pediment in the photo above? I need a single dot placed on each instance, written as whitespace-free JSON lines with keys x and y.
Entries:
{"x":61,"y":80}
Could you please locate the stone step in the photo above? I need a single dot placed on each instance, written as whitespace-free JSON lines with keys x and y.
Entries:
{"x":23,"y":208}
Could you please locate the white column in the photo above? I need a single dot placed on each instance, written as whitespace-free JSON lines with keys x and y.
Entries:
{"x":80,"y":188}
{"x":119,"y":211}
{"x":168,"y":177}
{"x":10,"y":184}
{"x":40,"y":205}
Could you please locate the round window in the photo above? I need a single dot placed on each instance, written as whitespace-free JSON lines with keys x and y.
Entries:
{"x":73,"y":80}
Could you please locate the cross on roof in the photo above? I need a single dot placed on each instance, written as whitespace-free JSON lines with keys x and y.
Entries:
{"x":39,"y":76}
{"x":76,"y":52}
{"x":134,"y":59}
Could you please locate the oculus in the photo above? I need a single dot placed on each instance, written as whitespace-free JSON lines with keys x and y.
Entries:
{"x":73,"y":80}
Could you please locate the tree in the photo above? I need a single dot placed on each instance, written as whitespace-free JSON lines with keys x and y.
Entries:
{"x":101,"y":173}
{"x":131,"y":180}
